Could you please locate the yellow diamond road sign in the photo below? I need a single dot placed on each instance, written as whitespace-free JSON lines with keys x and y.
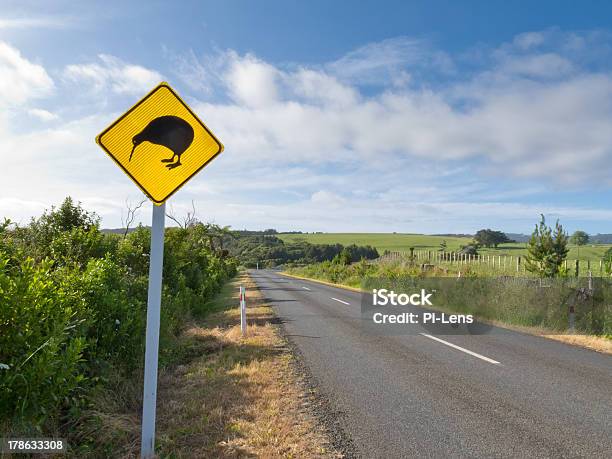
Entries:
{"x":160,"y":143}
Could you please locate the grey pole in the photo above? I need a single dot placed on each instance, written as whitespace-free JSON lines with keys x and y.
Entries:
{"x":152,"y":343}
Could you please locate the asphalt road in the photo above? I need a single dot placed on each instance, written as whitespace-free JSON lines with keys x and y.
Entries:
{"x":502,"y":395}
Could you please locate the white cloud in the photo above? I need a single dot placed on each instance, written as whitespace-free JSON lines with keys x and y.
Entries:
{"x":43,"y":115}
{"x":382,"y":62}
{"x":537,"y":114}
{"x":251,"y":81}
{"x":51,"y":22}
{"x":317,"y":86}
{"x":538,"y":65}
{"x":21,"y":79}
{"x":327,"y":199}
{"x":316,"y":148}
{"x":197,"y":74}
{"x":529,"y":40}
{"x":111,"y":73}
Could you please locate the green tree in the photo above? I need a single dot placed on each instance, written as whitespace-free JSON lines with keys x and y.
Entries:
{"x":546,"y":250}
{"x":579,"y":238}
{"x":490,"y":238}
{"x":343,"y":258}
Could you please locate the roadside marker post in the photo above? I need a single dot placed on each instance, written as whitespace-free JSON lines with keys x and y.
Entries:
{"x":140,"y":143}
{"x":243,"y":323}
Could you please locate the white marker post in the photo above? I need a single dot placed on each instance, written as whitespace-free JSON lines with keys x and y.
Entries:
{"x":243,"y":324}
{"x":149,"y":401}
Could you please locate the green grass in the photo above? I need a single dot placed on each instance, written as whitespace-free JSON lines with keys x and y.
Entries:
{"x":403,"y":242}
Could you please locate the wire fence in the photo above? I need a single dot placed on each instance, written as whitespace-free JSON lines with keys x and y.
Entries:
{"x":511,"y":265}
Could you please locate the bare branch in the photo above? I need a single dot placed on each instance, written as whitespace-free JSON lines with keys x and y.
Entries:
{"x":170,"y":215}
{"x":132,"y":211}
{"x":185,"y":222}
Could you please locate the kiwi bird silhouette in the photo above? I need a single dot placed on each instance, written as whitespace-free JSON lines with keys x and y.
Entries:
{"x":172,"y":132}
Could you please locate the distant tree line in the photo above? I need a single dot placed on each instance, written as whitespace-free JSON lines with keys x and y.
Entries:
{"x":265,"y":248}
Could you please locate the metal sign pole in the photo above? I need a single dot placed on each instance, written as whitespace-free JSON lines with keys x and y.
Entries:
{"x":152,"y":341}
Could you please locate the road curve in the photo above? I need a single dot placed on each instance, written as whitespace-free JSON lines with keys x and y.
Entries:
{"x":434,"y":396}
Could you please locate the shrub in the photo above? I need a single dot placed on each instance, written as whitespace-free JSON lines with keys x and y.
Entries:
{"x":73,"y":309}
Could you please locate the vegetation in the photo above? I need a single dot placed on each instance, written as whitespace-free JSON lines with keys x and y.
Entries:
{"x":579,"y":238}
{"x":402,"y":243}
{"x":546,"y":250}
{"x":490,"y":238}
{"x":266,"y":249}
{"x":72,"y":313}
{"x":607,"y":261}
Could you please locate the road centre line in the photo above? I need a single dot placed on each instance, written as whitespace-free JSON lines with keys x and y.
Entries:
{"x":462,"y":349}
{"x":305,"y":288}
{"x":340,"y":301}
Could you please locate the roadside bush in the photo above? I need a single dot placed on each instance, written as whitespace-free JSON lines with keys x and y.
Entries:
{"x":73,"y":310}
{"x":40,"y":346}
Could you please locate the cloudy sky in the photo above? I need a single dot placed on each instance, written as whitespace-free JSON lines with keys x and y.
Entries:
{"x":383,"y":116}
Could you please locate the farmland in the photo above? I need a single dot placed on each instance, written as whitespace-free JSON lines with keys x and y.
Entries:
{"x":396,"y":242}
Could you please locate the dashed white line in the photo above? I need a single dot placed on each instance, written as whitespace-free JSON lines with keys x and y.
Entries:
{"x":340,"y":301}
{"x":462,"y":349}
{"x":305,"y":288}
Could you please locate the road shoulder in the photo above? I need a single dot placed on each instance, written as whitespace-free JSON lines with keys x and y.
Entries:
{"x":226,"y":395}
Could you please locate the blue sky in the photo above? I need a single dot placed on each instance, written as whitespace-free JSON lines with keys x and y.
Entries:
{"x":336,"y":116}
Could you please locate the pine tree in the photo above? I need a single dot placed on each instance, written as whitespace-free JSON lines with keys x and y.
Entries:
{"x":546,"y":250}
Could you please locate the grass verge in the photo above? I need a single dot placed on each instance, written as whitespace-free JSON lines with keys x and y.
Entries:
{"x":226,"y":396}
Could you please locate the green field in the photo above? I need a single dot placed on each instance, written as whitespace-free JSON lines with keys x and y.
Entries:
{"x":403,"y":242}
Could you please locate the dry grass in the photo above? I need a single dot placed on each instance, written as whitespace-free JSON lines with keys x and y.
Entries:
{"x":241,"y":398}
{"x":595,"y":343}
{"x":235,"y":397}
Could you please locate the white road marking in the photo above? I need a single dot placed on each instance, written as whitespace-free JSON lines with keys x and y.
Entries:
{"x":462,"y":349}
{"x":340,"y":301}
{"x":305,"y":288}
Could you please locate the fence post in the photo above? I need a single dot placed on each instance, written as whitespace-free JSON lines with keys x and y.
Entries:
{"x":518,"y":264}
{"x":243,"y":323}
{"x":577,"y":268}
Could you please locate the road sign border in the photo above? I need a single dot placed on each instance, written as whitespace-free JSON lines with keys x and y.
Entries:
{"x":136,"y":105}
